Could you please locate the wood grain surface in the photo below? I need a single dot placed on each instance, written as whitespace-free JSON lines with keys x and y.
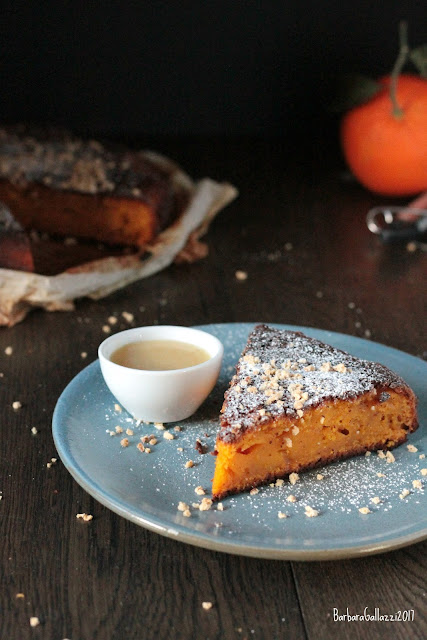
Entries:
{"x":298,"y":230}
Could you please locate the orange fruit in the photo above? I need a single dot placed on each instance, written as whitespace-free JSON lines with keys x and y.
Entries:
{"x":386,"y":152}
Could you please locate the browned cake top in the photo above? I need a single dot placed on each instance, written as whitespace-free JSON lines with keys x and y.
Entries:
{"x":284,"y":372}
{"x":70,"y":164}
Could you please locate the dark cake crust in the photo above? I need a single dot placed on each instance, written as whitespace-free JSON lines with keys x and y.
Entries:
{"x":284,"y":372}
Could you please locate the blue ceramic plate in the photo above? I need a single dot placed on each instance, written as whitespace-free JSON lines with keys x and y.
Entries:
{"x":146,"y":488}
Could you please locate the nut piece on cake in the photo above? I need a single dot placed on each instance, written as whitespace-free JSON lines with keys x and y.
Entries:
{"x":297,"y":403}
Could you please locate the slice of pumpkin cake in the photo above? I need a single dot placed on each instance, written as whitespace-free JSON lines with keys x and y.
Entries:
{"x":295,"y":403}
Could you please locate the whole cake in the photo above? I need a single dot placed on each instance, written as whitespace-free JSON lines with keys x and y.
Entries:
{"x":295,"y":403}
{"x":59,"y":184}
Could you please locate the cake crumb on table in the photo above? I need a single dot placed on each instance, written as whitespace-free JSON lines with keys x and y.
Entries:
{"x":417,"y":484}
{"x":51,"y":463}
{"x":376,"y":500}
{"x":8,"y":351}
{"x":241,"y":275}
{"x":182,"y":506}
{"x":106,"y":328}
{"x":20,"y":595}
{"x":83,"y":355}
{"x":320,"y":476}
{"x":207,"y":605}
{"x":168,"y":435}
{"x":16,"y":405}
{"x":186,"y":513}
{"x":423,"y":472}
{"x":404,"y":494}
{"x":159,"y":425}
{"x":34,"y":621}
{"x":34,"y":431}
{"x":189,"y":464}
{"x":129,"y":317}
{"x":412,"y":448}
{"x":117,"y":408}
{"x":291,"y":498}
{"x":200,"y":491}
{"x":281,"y":515}
{"x":422,"y":456}
{"x":253,"y":491}
{"x":220,"y":506}
{"x":310,"y":512}
{"x":86,"y":517}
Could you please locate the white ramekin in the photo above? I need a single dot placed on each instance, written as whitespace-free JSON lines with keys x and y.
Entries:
{"x":161,"y":396}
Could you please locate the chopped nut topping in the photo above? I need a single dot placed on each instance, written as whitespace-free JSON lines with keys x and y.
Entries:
{"x":341,"y":368}
{"x":124,"y":442}
{"x":200,"y":491}
{"x":187,"y":513}
{"x":159,"y":425}
{"x":279,"y":482}
{"x":326,"y":366}
{"x":381,"y":454}
{"x":320,"y":476}
{"x":119,"y":429}
{"x":182,"y":506}
{"x":412,"y":448}
{"x":381,"y":475}
{"x":422,"y":456}
{"x":189,"y":464}
{"x":281,"y":515}
{"x":365,"y":510}
{"x":389,"y":457}
{"x":423,"y":472}
{"x":253,"y":491}
{"x":404,"y":494}
{"x":152,"y":441}
{"x":205,"y":504}
{"x":291,"y":498}
{"x":310,"y":512}
{"x":129,"y":432}
{"x":168,"y":435}
{"x":375,"y":500}
{"x":220,"y":506}
{"x":147,"y":450}
{"x":141,"y":447}
{"x":293,"y":478}
{"x":367,"y":454}
{"x":417,"y":484}
{"x":117,"y":408}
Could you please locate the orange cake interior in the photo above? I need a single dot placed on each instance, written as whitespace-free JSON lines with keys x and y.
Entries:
{"x":297,"y":403}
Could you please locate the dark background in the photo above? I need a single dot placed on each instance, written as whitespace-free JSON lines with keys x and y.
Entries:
{"x":201,"y":67}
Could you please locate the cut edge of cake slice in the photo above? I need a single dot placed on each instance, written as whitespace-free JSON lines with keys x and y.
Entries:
{"x":296,"y":403}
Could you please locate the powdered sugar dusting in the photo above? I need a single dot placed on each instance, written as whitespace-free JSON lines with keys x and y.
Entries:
{"x":284,"y":372}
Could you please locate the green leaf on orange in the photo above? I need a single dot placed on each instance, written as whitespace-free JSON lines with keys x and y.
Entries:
{"x":418,"y":57}
{"x":353,"y":89}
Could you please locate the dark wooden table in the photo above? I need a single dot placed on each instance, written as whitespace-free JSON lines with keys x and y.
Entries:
{"x":298,"y":230}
